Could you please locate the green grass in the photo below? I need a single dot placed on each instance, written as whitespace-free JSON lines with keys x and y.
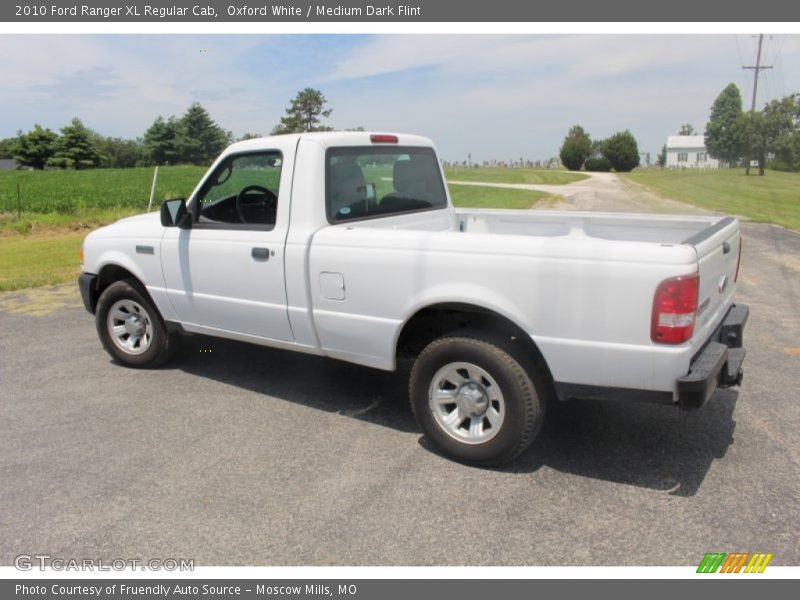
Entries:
{"x":495,"y":175}
{"x":774,"y":198}
{"x":473,"y":196}
{"x":32,"y":260}
{"x":78,"y":192}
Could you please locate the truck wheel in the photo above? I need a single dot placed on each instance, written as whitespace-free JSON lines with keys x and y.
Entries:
{"x":130,"y":327}
{"x":475,"y":400}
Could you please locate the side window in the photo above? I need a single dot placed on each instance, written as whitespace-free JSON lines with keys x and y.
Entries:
{"x":365,"y":182}
{"x":242,"y":191}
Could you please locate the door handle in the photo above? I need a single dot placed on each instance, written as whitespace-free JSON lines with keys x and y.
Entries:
{"x":260,"y":253}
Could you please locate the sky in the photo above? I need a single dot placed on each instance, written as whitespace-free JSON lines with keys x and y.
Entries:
{"x":501,"y":97}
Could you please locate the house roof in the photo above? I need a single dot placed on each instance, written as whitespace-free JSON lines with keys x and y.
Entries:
{"x":686,"y":142}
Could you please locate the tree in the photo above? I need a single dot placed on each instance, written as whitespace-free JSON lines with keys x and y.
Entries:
{"x":249,"y":136}
{"x":76,"y":148}
{"x":7,"y":147}
{"x":120,"y":153}
{"x":775,"y":131}
{"x":661,"y":159}
{"x":304,"y":113}
{"x":160,"y":141}
{"x":199,"y":138}
{"x":622,"y":151}
{"x":783,"y":122}
{"x":686,"y":129}
{"x":35,"y":148}
{"x":757,"y":136}
{"x":724,"y":135}
{"x":576,"y":148}
{"x":596,"y":149}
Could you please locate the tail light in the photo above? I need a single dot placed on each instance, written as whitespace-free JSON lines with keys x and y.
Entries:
{"x":739,"y":258}
{"x":381,"y":138}
{"x":675,"y":309}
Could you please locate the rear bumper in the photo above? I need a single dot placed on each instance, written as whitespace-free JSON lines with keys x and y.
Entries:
{"x":87,"y":284}
{"x":719,"y":362}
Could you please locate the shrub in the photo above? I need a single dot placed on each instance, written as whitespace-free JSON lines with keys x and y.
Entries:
{"x":575,"y":149}
{"x":622,"y":151}
{"x":601,"y":164}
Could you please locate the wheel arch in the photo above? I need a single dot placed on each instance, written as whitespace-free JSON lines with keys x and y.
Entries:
{"x":434,"y":320}
{"x":114,"y":271}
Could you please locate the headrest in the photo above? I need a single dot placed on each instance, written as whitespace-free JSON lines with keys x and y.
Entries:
{"x":414,"y":177}
{"x":347,"y":183}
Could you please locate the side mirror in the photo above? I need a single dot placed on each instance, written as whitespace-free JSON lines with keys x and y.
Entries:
{"x":174,"y":214}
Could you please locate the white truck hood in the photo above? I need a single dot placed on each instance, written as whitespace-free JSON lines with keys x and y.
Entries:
{"x":147,"y":225}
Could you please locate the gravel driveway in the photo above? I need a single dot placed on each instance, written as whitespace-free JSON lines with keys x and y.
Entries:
{"x":601,"y":192}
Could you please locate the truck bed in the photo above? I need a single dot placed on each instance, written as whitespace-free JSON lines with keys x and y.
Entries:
{"x":660,"y":229}
{"x":582,"y":284}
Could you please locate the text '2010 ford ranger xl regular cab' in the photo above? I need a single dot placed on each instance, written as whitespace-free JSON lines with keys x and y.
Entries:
{"x":347,"y":245}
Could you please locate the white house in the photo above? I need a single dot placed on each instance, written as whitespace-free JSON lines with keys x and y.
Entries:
{"x":689,"y":152}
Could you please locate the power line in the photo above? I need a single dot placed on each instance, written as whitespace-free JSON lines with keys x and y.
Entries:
{"x":739,"y":52}
{"x":779,"y":76}
{"x":743,"y":76}
{"x":769,"y":76}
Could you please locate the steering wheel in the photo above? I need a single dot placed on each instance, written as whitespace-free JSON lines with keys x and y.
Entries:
{"x":266,"y":203}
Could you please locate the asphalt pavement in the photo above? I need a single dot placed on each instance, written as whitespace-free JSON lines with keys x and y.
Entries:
{"x":239,"y":455}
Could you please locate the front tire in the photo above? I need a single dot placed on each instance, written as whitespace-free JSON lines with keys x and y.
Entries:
{"x":475,"y":400}
{"x":130,"y":328}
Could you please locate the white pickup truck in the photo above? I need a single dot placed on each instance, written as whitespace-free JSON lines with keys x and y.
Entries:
{"x":347,"y":245}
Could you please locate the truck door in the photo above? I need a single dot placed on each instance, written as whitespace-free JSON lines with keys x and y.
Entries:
{"x":225,"y":273}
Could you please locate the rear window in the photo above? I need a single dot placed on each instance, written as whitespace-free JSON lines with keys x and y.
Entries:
{"x":377,"y":181}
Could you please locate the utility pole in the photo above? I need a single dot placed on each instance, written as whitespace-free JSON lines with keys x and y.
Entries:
{"x":756,"y":71}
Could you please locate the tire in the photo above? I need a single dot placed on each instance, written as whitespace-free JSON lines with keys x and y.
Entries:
{"x":474,"y":399}
{"x":130,"y":328}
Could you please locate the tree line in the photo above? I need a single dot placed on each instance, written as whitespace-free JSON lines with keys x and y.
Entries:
{"x":619,"y":152}
{"x":193,"y":138}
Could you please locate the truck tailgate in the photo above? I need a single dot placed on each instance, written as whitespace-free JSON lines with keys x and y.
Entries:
{"x":718,"y":249}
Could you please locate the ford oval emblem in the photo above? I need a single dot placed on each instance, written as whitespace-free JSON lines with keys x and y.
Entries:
{"x":723,"y":283}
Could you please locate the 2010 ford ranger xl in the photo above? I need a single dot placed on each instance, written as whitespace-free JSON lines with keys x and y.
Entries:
{"x":347,"y":245}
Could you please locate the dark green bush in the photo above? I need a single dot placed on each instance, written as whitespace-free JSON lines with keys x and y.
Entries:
{"x":622,"y":151}
{"x":597,"y":164}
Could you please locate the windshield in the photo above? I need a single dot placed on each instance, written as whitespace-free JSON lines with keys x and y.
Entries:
{"x":368,"y":182}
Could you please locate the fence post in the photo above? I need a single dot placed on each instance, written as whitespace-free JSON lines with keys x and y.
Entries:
{"x":152,"y":190}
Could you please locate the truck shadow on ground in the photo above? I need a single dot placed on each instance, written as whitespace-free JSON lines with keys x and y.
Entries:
{"x":649,"y":446}
{"x":370,"y":395}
